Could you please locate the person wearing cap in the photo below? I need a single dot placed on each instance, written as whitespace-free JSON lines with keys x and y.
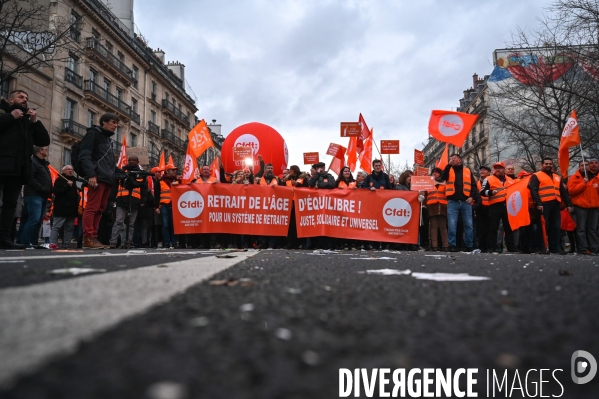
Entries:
{"x":378,"y":180}
{"x":582,"y":187}
{"x":436,"y":202}
{"x":548,"y":193}
{"x":321,"y":178}
{"x":461,"y":197}
{"x":162,"y":197}
{"x":494,"y":188}
{"x":481,"y":211}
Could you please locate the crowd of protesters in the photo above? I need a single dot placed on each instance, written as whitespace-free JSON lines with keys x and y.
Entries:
{"x":109,"y":207}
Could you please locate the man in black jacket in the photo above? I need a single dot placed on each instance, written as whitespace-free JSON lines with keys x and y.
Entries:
{"x":321,"y":178}
{"x":378,"y":179}
{"x":99,"y":166}
{"x":19,"y":131}
{"x":66,"y":204}
{"x":130,"y":194}
{"x":35,"y":196}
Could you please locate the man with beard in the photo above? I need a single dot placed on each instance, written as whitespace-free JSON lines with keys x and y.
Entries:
{"x":130,"y":195}
{"x":162,"y":196}
{"x":99,"y":166}
{"x":548,"y":192}
{"x":582,"y":187}
{"x":269,"y":179}
{"x":19,"y":132}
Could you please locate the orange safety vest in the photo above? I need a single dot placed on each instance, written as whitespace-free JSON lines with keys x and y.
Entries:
{"x":299,"y":180}
{"x":123,"y":192}
{"x":343,"y":185}
{"x":437,"y":196}
{"x":165,"y":193}
{"x":466,"y":182}
{"x":485,"y":200}
{"x":494,"y":184}
{"x":211,"y":180}
{"x":548,"y":187}
{"x":273,"y":182}
{"x":84,"y":197}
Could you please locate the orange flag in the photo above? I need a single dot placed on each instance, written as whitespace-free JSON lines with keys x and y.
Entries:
{"x":123,"y":156}
{"x":191,"y":165}
{"x":366,"y":154}
{"x":451,"y":127}
{"x":161,"y":164}
{"x":53,"y":173}
{"x":215,"y":169}
{"x":363,"y":135}
{"x":199,"y":139}
{"x":517,"y":204}
{"x":352,"y":153}
{"x":444,"y":158}
{"x":170,"y":160}
{"x":570,"y":138}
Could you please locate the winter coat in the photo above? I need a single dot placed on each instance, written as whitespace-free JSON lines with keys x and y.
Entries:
{"x":66,"y":198}
{"x":378,"y":181}
{"x":40,"y":180}
{"x":96,"y":155}
{"x":402,"y":187}
{"x":322,"y":180}
{"x":17,"y":138}
{"x":583,"y":194}
{"x":130,"y":184}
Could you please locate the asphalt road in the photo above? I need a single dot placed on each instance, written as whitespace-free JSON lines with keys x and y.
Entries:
{"x":287,"y":321}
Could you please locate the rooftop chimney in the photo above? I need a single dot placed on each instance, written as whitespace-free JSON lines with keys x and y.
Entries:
{"x":159,"y":54}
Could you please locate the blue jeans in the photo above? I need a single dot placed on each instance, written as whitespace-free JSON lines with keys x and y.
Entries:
{"x":34,"y":209}
{"x":455,"y":208}
{"x":168,"y":234}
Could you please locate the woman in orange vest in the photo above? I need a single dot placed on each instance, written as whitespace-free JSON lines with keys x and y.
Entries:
{"x":436,"y":202}
{"x":345,"y":179}
{"x":162,"y":197}
{"x":295,"y":177}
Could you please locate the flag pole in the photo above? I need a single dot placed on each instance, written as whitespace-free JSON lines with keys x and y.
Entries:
{"x":582,"y":154}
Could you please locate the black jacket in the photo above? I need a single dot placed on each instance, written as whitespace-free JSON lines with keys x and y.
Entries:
{"x":66,"y":198}
{"x":459,"y":184}
{"x":378,"y":181}
{"x":97,"y":156}
{"x":17,"y":138}
{"x":40,"y":180}
{"x":130,"y":184}
{"x":318,"y":180}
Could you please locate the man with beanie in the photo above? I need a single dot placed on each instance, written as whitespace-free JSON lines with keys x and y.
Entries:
{"x":321,"y":178}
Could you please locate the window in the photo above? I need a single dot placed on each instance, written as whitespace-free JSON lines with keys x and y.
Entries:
{"x":66,"y":157}
{"x":93,"y":75}
{"x":69,"y":110}
{"x":134,"y":105}
{"x":179,"y":106}
{"x":121,"y":56}
{"x":72,"y":63}
{"x":95,"y":34}
{"x":119,"y":93}
{"x":75,"y":27}
{"x":5,"y":88}
{"x":153,"y":117}
{"x":107,"y":85}
{"x":91,"y":117}
{"x":133,"y":140}
{"x":166,"y":96}
{"x":109,"y":46}
{"x":134,"y":75}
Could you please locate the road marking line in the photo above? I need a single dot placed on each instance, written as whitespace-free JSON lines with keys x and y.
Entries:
{"x":106,"y":254}
{"x":49,"y":319}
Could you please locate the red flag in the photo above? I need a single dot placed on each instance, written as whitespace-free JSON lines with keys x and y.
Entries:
{"x":53,"y":173}
{"x":451,"y":127}
{"x":517,"y":204}
{"x":336,"y":150}
{"x":352,"y":153}
{"x":366,"y":155}
{"x":570,"y":138}
{"x":363,"y":136}
{"x":336,"y":165}
{"x":123,"y":156}
{"x":161,"y":164}
{"x":444,"y":158}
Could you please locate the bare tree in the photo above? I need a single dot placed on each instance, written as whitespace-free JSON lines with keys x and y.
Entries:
{"x":30,"y":38}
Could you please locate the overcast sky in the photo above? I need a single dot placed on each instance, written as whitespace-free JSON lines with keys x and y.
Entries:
{"x":304,"y":66}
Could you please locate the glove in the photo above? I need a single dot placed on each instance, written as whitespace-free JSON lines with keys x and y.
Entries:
{"x":421,"y":198}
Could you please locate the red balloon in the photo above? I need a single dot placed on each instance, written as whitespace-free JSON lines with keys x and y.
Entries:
{"x":265,"y":141}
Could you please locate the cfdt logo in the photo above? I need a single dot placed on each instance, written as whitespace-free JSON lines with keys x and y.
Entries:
{"x":584,"y":367}
{"x":569,"y":128}
{"x":188,"y":169}
{"x":397,"y":212}
{"x":514,"y":203}
{"x":248,"y":140}
{"x":191,"y":204}
{"x":450,"y":125}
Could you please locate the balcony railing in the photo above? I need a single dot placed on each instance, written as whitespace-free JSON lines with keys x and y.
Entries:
{"x":73,"y":128}
{"x":110,"y":99}
{"x":72,"y":77}
{"x":135,"y":117}
{"x":169,"y":136}
{"x":170,"y":107}
{"x":154,"y":128}
{"x":154,"y":160}
{"x":111,"y":59}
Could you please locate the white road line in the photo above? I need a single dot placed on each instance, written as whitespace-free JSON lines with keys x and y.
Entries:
{"x":44,"y":320}
{"x":107,"y":254}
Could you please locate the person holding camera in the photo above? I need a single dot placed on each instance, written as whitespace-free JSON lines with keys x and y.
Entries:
{"x":130,"y":194}
{"x":20,"y":130}
{"x":66,"y":207}
{"x":98,"y":163}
